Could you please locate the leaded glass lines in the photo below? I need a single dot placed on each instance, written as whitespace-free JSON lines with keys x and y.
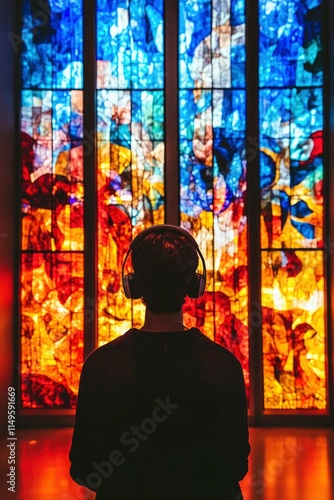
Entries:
{"x":130,"y":146}
{"x":52,"y":232}
{"x":292,"y":219}
{"x":212,"y":164}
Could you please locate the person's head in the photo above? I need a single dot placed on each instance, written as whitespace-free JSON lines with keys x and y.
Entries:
{"x":164,"y":261}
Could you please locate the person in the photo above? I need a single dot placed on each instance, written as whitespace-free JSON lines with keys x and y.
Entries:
{"x":161,"y":411}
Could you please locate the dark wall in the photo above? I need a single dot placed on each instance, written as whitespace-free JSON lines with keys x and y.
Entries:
{"x":8,"y":209}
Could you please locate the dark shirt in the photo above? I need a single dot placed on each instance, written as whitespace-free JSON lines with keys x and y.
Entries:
{"x":161,"y":416}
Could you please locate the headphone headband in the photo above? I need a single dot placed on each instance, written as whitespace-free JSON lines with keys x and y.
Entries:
{"x":130,"y":284}
{"x":163,"y":228}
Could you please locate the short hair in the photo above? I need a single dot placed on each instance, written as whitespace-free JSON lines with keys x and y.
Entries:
{"x":164,"y":264}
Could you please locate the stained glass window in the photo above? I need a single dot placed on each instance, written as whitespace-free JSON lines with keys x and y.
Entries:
{"x":212,"y":109}
{"x":52,"y":204}
{"x":130,"y":140}
{"x":130,"y":182}
{"x":291,"y":144}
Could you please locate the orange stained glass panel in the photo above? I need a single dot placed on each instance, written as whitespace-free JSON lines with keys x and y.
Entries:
{"x":52,"y":329}
{"x":294,"y":351}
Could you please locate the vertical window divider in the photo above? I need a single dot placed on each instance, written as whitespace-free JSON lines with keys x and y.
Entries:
{"x":16,"y":11}
{"x":253,"y":211}
{"x":328,"y":15}
{"x":172,"y":173}
{"x":90,"y":177}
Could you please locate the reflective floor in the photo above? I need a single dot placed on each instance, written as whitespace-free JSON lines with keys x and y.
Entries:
{"x":285,"y":464}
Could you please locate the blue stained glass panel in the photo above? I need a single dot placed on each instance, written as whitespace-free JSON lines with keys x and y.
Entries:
{"x":291,"y":45}
{"x":212,"y":147}
{"x":211,"y":44}
{"x":291,"y":145}
{"x":54,"y":122}
{"x":130,"y":44}
{"x":52,"y":49}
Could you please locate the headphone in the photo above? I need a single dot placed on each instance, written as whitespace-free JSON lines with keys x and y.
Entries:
{"x":131,"y":286}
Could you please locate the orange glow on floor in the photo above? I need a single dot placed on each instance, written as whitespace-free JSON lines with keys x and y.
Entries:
{"x":285,"y":464}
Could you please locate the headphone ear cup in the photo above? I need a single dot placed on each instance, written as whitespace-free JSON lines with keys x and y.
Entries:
{"x":201,"y":285}
{"x":131,"y":287}
{"x":196,"y":287}
{"x":126,"y":286}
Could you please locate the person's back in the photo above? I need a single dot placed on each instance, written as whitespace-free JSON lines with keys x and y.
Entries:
{"x":161,"y":415}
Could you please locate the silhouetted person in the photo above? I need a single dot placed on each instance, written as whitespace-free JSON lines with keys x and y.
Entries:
{"x":161,"y":411}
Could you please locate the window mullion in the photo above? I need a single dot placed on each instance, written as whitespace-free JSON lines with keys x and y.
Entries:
{"x":172,"y":177}
{"x":90,"y":177}
{"x":253,"y":210}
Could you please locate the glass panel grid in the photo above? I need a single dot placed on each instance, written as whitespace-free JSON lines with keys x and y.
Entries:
{"x":52,"y":233}
{"x":292,"y":211}
{"x":130,"y":140}
{"x":212,"y":121}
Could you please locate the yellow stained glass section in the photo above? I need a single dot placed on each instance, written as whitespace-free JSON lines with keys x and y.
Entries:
{"x":294,"y":348}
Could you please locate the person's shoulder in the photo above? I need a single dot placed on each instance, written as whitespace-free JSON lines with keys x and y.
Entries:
{"x":113,"y":347}
{"x":217,"y":351}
